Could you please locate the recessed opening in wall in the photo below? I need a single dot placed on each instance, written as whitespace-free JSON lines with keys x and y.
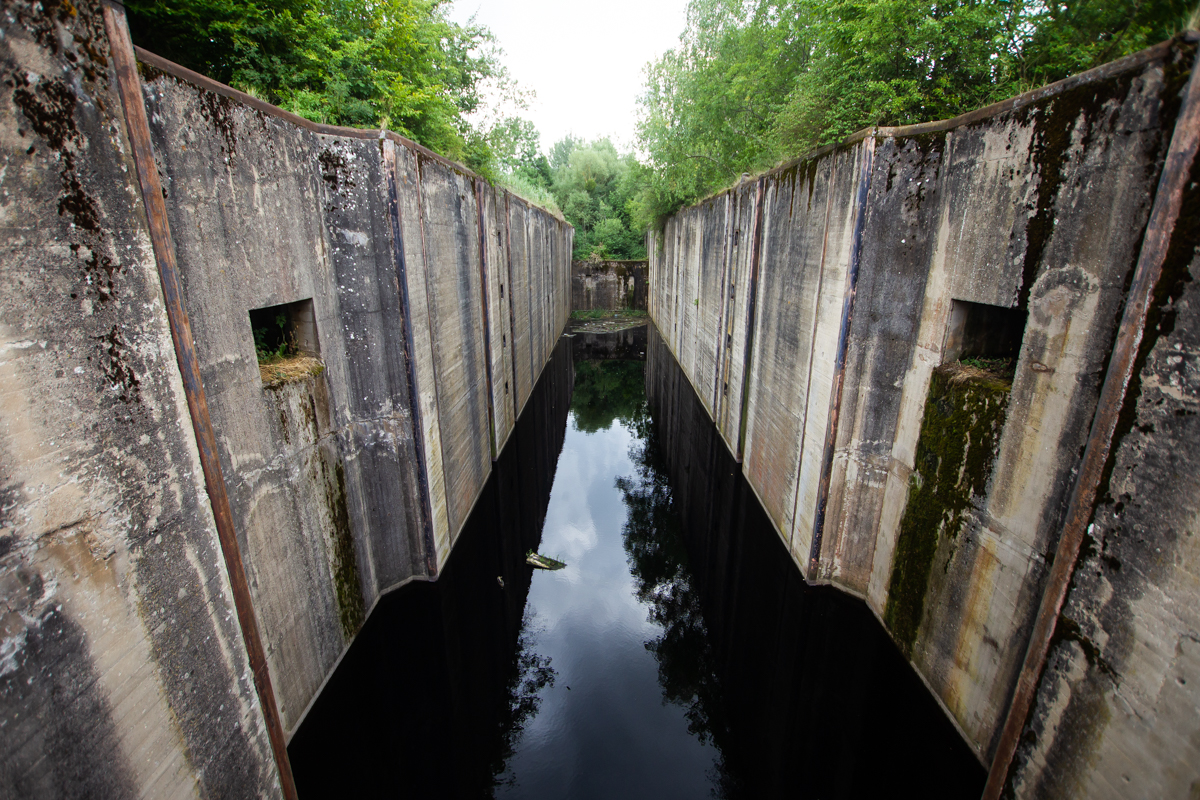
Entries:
{"x":984,"y":336}
{"x":285,"y":342}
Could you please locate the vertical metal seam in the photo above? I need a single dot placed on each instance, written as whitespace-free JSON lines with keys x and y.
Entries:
{"x":751,"y":316}
{"x":414,"y":394}
{"x":1164,"y":213}
{"x":487,"y":319}
{"x":129,"y":87}
{"x":839,"y":364}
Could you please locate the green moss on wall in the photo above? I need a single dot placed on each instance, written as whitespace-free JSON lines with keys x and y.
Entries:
{"x":964,"y":414}
{"x":345,"y":564}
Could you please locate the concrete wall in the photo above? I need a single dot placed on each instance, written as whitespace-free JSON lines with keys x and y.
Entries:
{"x":122,"y":668}
{"x":437,"y":301}
{"x":1117,"y":711}
{"x":608,"y":285}
{"x":810,"y":307}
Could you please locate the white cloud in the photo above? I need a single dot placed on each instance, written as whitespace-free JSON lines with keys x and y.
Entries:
{"x":584,"y":60}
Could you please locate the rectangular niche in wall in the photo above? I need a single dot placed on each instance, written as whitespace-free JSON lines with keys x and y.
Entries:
{"x":978,"y":330}
{"x":285,"y":341}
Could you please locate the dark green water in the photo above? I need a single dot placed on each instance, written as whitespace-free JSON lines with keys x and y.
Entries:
{"x":678,"y":655}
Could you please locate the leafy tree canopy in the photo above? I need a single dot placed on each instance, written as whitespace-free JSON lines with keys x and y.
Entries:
{"x":400,"y":64}
{"x":754,"y":82}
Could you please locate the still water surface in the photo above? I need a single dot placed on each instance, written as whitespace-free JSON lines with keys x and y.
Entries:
{"x":678,"y":654}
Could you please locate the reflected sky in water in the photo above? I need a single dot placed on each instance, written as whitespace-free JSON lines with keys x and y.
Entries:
{"x":502,"y":680}
{"x":610,"y":734}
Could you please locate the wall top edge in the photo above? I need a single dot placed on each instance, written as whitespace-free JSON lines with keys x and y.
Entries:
{"x":1158,"y":52}
{"x":208,"y":84}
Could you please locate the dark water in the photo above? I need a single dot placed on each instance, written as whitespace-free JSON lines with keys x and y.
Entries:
{"x":678,"y":655}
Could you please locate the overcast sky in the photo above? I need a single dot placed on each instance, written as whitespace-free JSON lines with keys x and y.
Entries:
{"x":584,"y":60}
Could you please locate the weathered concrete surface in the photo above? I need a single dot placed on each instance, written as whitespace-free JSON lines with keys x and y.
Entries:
{"x":326,"y":478}
{"x":609,"y":285}
{"x":122,"y":669}
{"x":1117,"y":711}
{"x":1037,"y":205}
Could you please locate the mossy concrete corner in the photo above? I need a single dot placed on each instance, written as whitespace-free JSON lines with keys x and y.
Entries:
{"x":964,"y":414}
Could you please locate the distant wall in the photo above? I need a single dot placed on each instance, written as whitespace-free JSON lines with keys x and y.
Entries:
{"x":437,"y":300}
{"x":608,"y":285}
{"x":810,"y":309}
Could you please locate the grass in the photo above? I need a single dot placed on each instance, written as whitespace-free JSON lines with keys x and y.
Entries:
{"x":278,"y":371}
{"x":1003,"y":368}
{"x":603,"y":313}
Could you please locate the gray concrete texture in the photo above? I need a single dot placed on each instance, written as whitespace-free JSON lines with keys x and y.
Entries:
{"x":1037,"y":205}
{"x":122,"y":667}
{"x":608,"y":285}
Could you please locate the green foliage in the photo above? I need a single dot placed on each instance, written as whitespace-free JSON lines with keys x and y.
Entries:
{"x":606,"y":391}
{"x":595,"y":186}
{"x":400,"y":64}
{"x":271,"y":341}
{"x":757,"y":82}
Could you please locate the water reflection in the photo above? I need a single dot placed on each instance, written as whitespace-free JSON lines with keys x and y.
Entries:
{"x":603,"y":730}
{"x":678,"y":655}
{"x":436,"y":690}
{"x":800,"y":687}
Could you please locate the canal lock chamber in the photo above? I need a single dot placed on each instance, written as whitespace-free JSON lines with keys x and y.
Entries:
{"x":680,"y":653}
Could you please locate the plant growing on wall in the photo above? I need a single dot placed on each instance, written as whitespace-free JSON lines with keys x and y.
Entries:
{"x":272,"y":341}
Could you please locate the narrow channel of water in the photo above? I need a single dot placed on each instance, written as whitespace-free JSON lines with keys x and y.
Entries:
{"x":678,"y":654}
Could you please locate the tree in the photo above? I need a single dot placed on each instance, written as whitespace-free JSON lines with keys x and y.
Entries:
{"x":395,"y":63}
{"x":756,"y":82}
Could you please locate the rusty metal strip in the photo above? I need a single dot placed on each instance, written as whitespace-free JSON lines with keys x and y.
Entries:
{"x":414,"y":394}
{"x":137,"y":127}
{"x":839,"y":364}
{"x":751,"y":315}
{"x":487,"y":326}
{"x":1167,"y":201}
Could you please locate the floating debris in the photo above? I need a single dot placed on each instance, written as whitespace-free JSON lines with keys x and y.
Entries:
{"x":542,"y":562}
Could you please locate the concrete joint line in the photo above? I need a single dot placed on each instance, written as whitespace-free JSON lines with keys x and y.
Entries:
{"x":477,"y":184}
{"x":512,"y":321}
{"x":414,"y":394}
{"x":866,"y":164}
{"x":1155,"y":243}
{"x":137,"y":127}
{"x":751,"y":315}
{"x":431,"y":559}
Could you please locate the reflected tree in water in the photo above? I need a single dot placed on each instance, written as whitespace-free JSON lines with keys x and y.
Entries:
{"x":658,"y":560}
{"x":531,"y":674}
{"x":606,"y":391}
